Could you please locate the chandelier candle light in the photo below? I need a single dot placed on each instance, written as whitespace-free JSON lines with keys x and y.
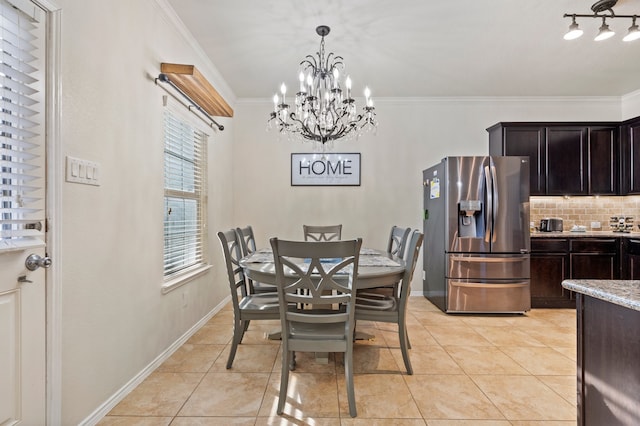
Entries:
{"x":323,"y":111}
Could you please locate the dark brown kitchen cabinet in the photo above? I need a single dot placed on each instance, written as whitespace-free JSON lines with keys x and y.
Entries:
{"x":554,"y":259}
{"x":549,"y":267}
{"x":603,"y":160}
{"x":594,"y":258}
{"x":523,"y":141}
{"x":631,"y":259}
{"x":631,"y":157}
{"x":565,"y":158}
{"x":608,"y":382}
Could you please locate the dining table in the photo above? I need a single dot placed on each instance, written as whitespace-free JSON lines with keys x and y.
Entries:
{"x":376,"y":268}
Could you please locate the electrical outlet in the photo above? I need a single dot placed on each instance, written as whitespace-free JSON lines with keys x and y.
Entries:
{"x":595,"y":225}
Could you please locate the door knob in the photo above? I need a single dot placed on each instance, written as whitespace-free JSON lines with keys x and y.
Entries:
{"x":34,"y":262}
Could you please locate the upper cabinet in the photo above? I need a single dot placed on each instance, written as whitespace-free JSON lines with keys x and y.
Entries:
{"x":565,"y":158}
{"x":528,"y":141}
{"x":630,"y":156}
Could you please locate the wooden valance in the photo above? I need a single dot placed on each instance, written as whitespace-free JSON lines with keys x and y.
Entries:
{"x":196,"y":87}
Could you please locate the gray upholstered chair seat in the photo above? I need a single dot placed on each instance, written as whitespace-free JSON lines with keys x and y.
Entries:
{"x":314,"y":332}
{"x":260,"y":302}
{"x":378,"y":302}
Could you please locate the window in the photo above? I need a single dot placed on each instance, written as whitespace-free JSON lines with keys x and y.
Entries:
{"x":184,"y":196}
{"x":22,"y":203}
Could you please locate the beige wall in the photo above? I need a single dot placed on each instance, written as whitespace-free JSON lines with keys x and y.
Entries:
{"x":115,"y":321}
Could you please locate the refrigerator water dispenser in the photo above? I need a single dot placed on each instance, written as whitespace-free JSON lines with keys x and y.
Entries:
{"x":469,"y":214}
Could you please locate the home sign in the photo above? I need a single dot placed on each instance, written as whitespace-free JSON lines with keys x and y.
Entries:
{"x":325,"y":169}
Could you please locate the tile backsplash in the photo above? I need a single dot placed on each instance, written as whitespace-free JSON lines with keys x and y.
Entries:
{"x":585,"y":210}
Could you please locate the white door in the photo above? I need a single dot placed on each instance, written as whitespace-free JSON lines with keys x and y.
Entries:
{"x":22,"y":214}
{"x":22,"y":340}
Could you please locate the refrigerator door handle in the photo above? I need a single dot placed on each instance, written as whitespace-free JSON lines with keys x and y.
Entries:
{"x":496,"y":200}
{"x":488,"y":221}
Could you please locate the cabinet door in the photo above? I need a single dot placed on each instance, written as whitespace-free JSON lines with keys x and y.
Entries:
{"x":547,"y":273}
{"x":528,"y":142}
{"x":594,"y":258}
{"x":631,"y":259}
{"x":593,"y":266}
{"x":631,"y":158}
{"x":566,"y":160}
{"x":603,"y":161}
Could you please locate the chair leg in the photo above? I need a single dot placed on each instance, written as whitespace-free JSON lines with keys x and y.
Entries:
{"x":404,"y":347}
{"x":284,"y":380}
{"x":348,"y":375}
{"x":292,"y":361}
{"x":239,"y":328}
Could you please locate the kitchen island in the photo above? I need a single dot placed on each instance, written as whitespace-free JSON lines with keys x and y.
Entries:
{"x":608,"y":371}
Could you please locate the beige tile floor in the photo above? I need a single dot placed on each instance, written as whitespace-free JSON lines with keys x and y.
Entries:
{"x":470,"y":370}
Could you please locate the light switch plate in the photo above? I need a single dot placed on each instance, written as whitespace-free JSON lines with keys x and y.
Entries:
{"x":82,"y":171}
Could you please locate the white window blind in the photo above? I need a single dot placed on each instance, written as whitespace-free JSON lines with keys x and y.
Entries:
{"x":185,"y":195}
{"x":22,"y":200}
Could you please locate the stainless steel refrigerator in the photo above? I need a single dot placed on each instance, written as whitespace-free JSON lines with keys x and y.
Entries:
{"x":476,"y":233}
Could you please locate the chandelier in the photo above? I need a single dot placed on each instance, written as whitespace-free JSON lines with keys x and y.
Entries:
{"x":323,"y":110}
{"x":604,"y":32}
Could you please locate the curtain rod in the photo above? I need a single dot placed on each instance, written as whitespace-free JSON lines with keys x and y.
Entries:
{"x":165,"y":79}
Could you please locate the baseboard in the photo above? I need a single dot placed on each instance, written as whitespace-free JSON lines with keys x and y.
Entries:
{"x":108,"y":405}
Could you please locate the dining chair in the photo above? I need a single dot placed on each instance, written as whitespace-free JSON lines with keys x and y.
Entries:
{"x":398,"y":240}
{"x":393,"y":309}
{"x":316,"y":291}
{"x":396,"y":246}
{"x":246,"y":306}
{"x":322,"y":233}
{"x":248,"y":246}
{"x":247,"y":240}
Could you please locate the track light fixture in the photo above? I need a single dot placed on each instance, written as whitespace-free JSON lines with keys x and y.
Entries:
{"x":604,"y":31}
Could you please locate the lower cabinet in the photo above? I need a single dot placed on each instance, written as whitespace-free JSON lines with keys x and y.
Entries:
{"x":631,"y":266}
{"x":555,"y":259}
{"x":595,"y":258}
{"x":549,"y":267}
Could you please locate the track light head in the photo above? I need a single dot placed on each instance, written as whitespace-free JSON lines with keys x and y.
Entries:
{"x":605,"y":32}
{"x":634,"y":32}
{"x":574,"y":30}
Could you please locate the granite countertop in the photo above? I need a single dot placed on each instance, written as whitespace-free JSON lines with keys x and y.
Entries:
{"x":570,"y":234}
{"x":620,"y":292}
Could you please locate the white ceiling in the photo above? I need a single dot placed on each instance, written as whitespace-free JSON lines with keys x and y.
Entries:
{"x":419,"y":48}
